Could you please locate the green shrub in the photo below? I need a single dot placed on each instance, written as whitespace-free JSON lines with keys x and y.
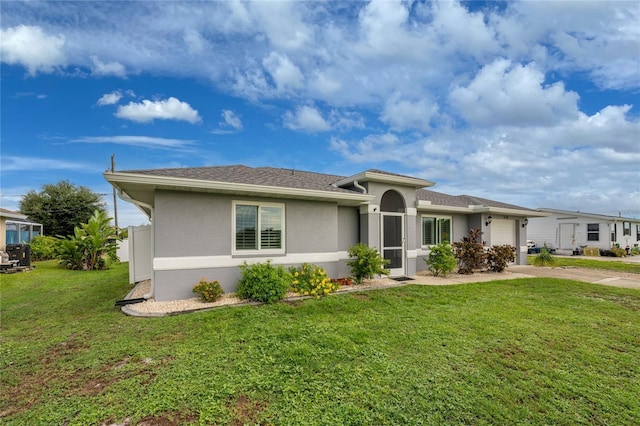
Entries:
{"x":544,"y":258}
{"x":43,"y":247}
{"x":635,"y":250}
{"x":441,"y":259}
{"x":70,"y":254}
{"x":470,"y":253}
{"x":209,"y":291}
{"x":263,"y":282}
{"x":498,"y":257}
{"x":366,"y":262}
{"x":92,"y":246}
{"x":312,"y":280}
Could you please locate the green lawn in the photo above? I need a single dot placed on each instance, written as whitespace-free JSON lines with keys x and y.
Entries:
{"x":585,"y":262}
{"x":529,"y":351}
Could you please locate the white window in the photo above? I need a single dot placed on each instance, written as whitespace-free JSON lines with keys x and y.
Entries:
{"x":435,"y":230}
{"x":626,"y":228}
{"x":258,"y":227}
{"x":593,"y":232}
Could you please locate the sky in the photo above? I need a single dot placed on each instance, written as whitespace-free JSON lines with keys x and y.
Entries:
{"x":534,"y":103}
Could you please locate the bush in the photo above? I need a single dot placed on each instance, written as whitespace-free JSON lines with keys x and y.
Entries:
{"x":263,"y":282}
{"x":366,"y":262}
{"x":635,"y":250}
{"x":312,"y":280}
{"x":498,"y":257}
{"x":92,"y":246}
{"x":618,"y":252}
{"x":544,"y":258}
{"x":441,"y":259}
{"x":470,"y":253}
{"x":209,"y":291}
{"x":43,"y":247}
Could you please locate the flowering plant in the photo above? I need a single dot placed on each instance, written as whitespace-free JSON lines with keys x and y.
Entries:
{"x":312,"y":280}
{"x":209,"y":291}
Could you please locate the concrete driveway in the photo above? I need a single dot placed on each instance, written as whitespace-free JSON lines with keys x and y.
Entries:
{"x":595,"y":276}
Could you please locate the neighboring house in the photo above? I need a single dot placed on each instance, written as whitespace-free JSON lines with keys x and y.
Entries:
{"x":207,"y":221}
{"x":15,"y":228}
{"x":567,"y":231}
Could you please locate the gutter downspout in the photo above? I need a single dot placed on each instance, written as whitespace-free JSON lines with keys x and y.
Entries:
{"x":126,"y":197}
{"x":360,"y":187}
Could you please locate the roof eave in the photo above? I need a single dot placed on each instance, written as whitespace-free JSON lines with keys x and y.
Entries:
{"x":423,"y":205}
{"x":590,"y":215}
{"x":117,"y":179}
{"x":369,"y":176}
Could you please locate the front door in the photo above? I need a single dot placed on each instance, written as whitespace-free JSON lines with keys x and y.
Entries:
{"x":567,"y":236}
{"x":393,"y":242}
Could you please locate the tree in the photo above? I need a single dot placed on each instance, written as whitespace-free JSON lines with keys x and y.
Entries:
{"x":61,"y":207}
{"x":93,"y":245}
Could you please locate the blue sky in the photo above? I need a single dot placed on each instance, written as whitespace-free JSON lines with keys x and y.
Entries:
{"x":532,"y":103}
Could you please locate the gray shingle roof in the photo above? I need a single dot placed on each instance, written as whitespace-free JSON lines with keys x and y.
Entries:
{"x":266,"y":176}
{"x":440,"y":199}
{"x":289,"y":178}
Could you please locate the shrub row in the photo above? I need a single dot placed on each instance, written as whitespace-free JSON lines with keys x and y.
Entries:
{"x":469,"y":255}
{"x":265,"y":282}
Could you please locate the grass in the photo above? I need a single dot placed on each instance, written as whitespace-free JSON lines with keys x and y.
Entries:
{"x":585,"y":262}
{"x":533,"y":351}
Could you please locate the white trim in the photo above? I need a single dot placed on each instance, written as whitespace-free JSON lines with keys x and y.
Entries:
{"x":435,"y":216}
{"x":370,"y":209}
{"x":371,"y":176}
{"x":401,"y":270}
{"x":259,"y":251}
{"x":412,"y":254}
{"x":118,"y":178}
{"x":411,"y":211}
{"x":423,"y":251}
{"x":227,"y":261}
{"x":343,"y":255}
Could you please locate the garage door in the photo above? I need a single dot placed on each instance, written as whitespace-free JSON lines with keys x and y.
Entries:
{"x":503,"y":231}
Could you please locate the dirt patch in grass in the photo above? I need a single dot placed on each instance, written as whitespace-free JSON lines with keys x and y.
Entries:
{"x":172,"y":418}
{"x":168,"y":419}
{"x":629,"y":302}
{"x":244,"y":410}
{"x":361,"y":296}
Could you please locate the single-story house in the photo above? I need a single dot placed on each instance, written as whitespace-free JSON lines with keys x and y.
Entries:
{"x":207,"y":221}
{"x":15,"y":228}
{"x":568,"y":231}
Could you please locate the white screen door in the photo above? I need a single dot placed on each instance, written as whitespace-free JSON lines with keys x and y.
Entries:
{"x":393,"y":242}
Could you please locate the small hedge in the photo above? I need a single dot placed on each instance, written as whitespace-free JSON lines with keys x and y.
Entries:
{"x":209,"y":291}
{"x":441,"y":259}
{"x":367,"y":262}
{"x":312,"y":280}
{"x":263,"y":282}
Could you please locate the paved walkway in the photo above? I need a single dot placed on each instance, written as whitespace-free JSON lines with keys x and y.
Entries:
{"x":595,"y":276}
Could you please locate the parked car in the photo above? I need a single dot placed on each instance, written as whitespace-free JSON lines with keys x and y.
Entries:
{"x":532,"y":247}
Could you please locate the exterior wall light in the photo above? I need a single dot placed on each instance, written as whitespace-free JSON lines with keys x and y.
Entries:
{"x":488,"y":222}
{"x":525,"y":222}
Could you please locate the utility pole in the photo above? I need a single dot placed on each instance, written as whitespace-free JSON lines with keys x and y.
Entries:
{"x":115,"y":203}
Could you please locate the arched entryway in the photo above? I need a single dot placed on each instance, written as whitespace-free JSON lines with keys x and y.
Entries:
{"x":393,"y":209}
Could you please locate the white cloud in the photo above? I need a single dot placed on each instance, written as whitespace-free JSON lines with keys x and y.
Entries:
{"x":503,"y":93}
{"x":31,"y":47}
{"x":110,"y":98}
{"x":376,"y":148}
{"x":168,"y":109}
{"x":285,"y":74}
{"x":404,"y":114}
{"x":141,"y":141}
{"x":11,"y":163}
{"x":230,"y":119}
{"x":100,"y":68}
{"x":306,"y":118}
